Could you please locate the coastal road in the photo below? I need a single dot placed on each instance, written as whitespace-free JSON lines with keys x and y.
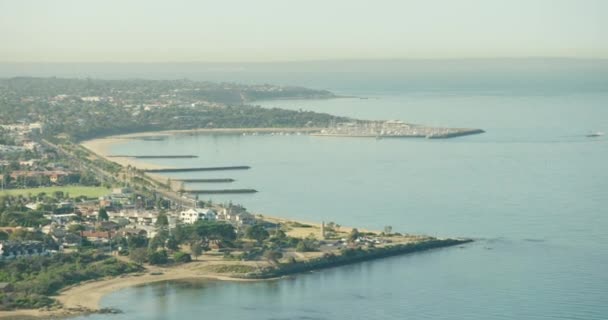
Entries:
{"x":175,"y":197}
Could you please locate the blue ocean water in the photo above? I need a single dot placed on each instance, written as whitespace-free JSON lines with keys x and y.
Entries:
{"x":533,"y":191}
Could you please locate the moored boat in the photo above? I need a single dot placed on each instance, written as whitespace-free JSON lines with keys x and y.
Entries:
{"x":595,"y":134}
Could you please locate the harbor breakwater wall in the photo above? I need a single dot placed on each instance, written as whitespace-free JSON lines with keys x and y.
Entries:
{"x":350,"y":256}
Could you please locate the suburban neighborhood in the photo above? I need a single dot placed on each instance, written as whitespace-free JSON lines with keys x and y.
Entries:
{"x":69,"y":214}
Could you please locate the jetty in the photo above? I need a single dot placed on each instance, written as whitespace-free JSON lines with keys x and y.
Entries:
{"x":454,"y":133}
{"x":196,"y":169}
{"x":220,"y":191}
{"x":186,"y":156}
{"x":152,"y":138}
{"x":220,"y":180}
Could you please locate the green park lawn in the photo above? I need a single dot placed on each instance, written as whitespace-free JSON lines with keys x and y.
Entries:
{"x":74,"y":191}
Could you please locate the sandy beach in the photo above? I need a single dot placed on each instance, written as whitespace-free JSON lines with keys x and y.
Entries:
{"x":102,"y":146}
{"x":85,"y":297}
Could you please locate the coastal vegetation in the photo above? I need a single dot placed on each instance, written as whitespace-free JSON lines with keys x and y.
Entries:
{"x":34,"y":281}
{"x":276,"y":249}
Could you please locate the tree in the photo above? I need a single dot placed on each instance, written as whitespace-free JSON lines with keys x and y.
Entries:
{"x":210,"y":230}
{"x":301,"y":246}
{"x":136,"y":241}
{"x":183,"y":232}
{"x":25,"y":235}
{"x":181,"y":257}
{"x":24,"y":219}
{"x":138,"y":255}
{"x":171,"y":243}
{"x":196,"y":249}
{"x":279,"y":235}
{"x":76,"y":228}
{"x":388,"y":229}
{"x":158,"y":257}
{"x":273,"y":256}
{"x":3,"y":235}
{"x":6,"y":179}
{"x":257,"y":232}
{"x":354,"y":235}
{"x":156,"y":242}
{"x":162,"y":203}
{"x":162,"y":221}
{"x":102,"y":215}
{"x":330,"y":226}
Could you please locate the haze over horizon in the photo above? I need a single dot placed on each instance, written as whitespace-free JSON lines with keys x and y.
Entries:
{"x":278,"y":31}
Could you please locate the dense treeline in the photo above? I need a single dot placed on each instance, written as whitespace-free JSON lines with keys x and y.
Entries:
{"x":14,"y":213}
{"x":6,"y":138}
{"x":144,"y":89}
{"x":250,"y":243}
{"x":34,"y":279}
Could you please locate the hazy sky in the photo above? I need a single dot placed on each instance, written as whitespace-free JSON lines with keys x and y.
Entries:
{"x":286,"y":30}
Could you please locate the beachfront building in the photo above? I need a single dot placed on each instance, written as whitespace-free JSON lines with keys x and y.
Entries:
{"x":191,"y":216}
{"x":236,"y":215}
{"x":241,"y":218}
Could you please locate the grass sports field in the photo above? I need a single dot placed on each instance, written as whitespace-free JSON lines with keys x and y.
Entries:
{"x":74,"y":191}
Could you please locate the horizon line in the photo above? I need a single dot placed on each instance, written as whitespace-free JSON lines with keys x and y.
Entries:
{"x":314,"y":60}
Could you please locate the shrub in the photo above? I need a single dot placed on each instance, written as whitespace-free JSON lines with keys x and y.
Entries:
{"x":181,"y":257}
{"x":158,"y":257}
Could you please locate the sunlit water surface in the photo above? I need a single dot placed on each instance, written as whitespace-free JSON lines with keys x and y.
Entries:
{"x":533,"y":190}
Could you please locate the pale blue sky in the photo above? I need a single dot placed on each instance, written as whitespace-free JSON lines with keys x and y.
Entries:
{"x":283,"y":30}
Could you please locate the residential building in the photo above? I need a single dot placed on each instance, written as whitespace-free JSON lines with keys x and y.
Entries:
{"x":191,"y":216}
{"x":17,"y":249}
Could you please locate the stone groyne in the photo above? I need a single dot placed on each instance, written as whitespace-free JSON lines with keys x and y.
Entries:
{"x":349,"y":256}
{"x":196,"y":169}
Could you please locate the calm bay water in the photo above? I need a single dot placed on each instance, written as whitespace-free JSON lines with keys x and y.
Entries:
{"x":533,"y":190}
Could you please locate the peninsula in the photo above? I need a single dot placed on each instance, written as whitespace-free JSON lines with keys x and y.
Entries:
{"x":121,"y":223}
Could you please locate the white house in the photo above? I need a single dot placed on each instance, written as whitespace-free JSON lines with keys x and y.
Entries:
{"x":237,"y":215}
{"x":133,"y":216}
{"x":193,"y":215}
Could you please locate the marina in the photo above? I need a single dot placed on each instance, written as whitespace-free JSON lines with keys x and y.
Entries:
{"x":393,"y":129}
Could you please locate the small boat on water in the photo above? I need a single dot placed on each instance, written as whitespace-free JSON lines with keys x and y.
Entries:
{"x":595,"y":134}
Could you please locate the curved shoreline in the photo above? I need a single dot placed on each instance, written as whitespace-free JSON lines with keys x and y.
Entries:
{"x":101,"y":146}
{"x":84,"y":298}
